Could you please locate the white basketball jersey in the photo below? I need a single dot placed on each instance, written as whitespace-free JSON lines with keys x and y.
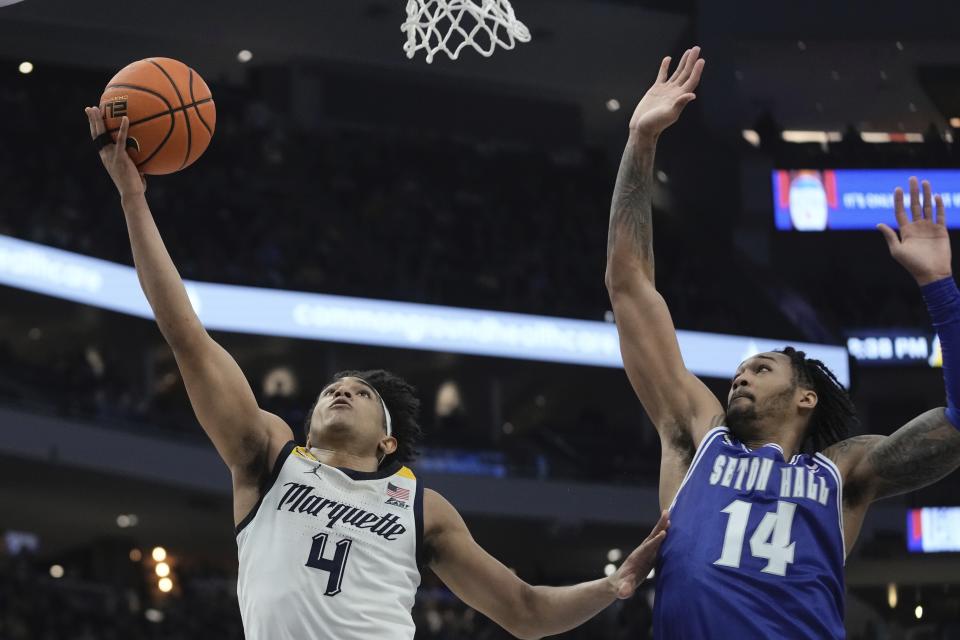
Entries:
{"x":330,"y":553}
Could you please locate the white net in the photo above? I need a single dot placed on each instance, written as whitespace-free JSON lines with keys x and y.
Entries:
{"x":451,"y":25}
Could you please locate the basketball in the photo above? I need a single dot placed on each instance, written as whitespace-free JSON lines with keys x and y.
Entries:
{"x":171,"y":111}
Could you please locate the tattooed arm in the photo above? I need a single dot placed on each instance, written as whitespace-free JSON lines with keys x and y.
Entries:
{"x":921,"y":452}
{"x":680,"y":406}
{"x":630,"y":235}
{"x":630,"y":240}
{"x":917,"y":454}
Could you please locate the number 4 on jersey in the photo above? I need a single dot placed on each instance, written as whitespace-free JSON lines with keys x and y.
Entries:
{"x":771,"y":540}
{"x":335,"y":566}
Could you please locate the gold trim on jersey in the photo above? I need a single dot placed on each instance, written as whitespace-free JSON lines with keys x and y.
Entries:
{"x":303,"y":452}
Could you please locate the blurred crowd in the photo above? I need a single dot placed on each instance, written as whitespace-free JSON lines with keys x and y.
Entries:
{"x":938,"y":148}
{"x":347,"y":210}
{"x":370,"y":213}
{"x":111,"y":386}
{"x":204,"y":605}
{"x":409,"y":216}
{"x":34,"y":605}
{"x":414,"y":216}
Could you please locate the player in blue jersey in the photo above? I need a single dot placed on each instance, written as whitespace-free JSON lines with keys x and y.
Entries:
{"x":767,"y":496}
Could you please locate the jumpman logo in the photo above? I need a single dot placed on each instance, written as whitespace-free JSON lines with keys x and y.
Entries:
{"x":316,"y":471}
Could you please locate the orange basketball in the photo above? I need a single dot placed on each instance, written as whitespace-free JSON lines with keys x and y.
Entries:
{"x":171,"y":112}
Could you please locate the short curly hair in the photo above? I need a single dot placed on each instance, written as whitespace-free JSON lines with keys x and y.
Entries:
{"x":402,"y":402}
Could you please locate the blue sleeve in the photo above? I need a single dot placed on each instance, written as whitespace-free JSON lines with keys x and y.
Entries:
{"x":943,"y":304}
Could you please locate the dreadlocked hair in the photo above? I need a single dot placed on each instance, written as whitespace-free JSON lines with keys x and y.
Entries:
{"x":402,"y":403}
{"x":834,"y":417}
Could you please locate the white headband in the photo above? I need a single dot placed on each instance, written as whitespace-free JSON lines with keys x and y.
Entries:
{"x":386,"y":412}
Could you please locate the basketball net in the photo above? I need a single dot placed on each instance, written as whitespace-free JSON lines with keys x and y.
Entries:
{"x":451,"y":25}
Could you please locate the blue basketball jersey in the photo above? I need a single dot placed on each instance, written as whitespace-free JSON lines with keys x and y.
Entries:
{"x":755,"y":547}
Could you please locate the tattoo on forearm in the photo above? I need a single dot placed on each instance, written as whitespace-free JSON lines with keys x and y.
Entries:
{"x":918,"y":454}
{"x":630,"y":211}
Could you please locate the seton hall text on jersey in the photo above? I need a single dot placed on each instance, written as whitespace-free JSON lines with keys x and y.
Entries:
{"x":752,"y":473}
{"x":299,"y":499}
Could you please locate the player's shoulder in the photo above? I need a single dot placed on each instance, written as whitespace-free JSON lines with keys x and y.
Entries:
{"x":274,"y":446}
{"x":716,"y":433}
{"x":439,"y":513}
{"x":851,"y":457}
{"x":434,"y":498}
{"x":710,"y":430}
{"x":848,"y":453}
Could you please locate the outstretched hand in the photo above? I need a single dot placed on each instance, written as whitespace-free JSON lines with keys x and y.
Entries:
{"x":115,"y":157}
{"x":664,"y":101}
{"x":638,"y":564}
{"x":923,"y":246}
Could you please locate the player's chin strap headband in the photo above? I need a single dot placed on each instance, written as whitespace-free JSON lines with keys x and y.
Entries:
{"x":388,"y":421}
{"x":386,"y":412}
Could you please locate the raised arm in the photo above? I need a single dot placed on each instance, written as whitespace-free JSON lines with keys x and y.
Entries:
{"x":927,"y":448}
{"x":243,"y":434}
{"x":525,"y":611}
{"x":680,"y":406}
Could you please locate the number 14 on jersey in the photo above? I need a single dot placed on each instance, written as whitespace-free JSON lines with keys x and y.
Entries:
{"x":770,"y":541}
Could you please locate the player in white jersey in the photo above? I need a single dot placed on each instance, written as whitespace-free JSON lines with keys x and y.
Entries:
{"x":330,"y":534}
